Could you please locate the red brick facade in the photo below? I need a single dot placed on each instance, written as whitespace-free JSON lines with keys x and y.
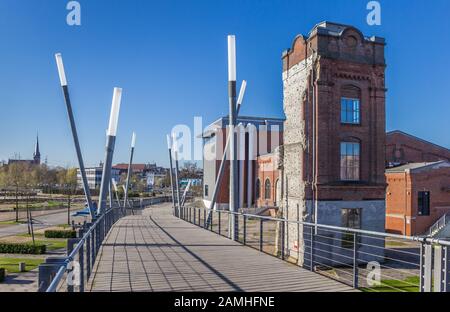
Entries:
{"x":267,"y":187}
{"x":402,"y":216}
{"x":358,"y":72}
{"x":403,"y":148}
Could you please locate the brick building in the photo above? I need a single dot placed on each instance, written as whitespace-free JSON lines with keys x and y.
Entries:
{"x":334,"y":133}
{"x":268,"y":184}
{"x":417,"y":195}
{"x":256,"y":136}
{"x":403,"y":148}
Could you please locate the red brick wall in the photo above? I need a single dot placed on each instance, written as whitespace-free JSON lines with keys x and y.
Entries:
{"x":403,"y":148}
{"x":402,"y":200}
{"x":266,"y":165}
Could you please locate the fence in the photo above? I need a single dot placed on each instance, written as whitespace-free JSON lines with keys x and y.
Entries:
{"x":72,"y":273}
{"x":366,"y":260}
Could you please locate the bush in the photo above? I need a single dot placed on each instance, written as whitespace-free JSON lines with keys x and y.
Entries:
{"x":29,"y":249}
{"x":2,"y":274}
{"x":60,"y":234}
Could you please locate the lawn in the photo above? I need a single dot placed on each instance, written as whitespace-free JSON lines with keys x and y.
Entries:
{"x":51,"y":243}
{"x":410,"y":284}
{"x":12,"y":264}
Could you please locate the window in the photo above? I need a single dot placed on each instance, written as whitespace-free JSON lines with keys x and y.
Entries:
{"x":350,"y":113}
{"x":258,"y":189}
{"x":350,"y":157}
{"x":351,"y":218}
{"x":423,"y":203}
{"x":267,"y":189}
{"x":206,"y":190}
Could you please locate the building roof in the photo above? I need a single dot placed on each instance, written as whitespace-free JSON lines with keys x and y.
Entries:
{"x":336,"y":30}
{"x":134,"y":167}
{"x":416,"y":138}
{"x":415,"y":167}
{"x":222,"y":122}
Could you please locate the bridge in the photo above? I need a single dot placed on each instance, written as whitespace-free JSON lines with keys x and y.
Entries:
{"x":156,"y":251}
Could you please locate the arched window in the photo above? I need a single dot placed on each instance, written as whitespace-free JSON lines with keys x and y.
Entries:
{"x":267,"y":189}
{"x":258,"y":189}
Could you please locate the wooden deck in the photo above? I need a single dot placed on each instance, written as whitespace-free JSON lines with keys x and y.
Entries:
{"x":158,"y":252}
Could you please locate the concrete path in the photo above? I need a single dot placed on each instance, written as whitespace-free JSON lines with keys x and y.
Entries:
{"x":41,"y":222}
{"x":158,"y":252}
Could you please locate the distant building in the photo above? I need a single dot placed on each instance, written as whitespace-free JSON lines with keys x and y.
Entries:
{"x":36,"y":156}
{"x":149,"y":173}
{"x":94,"y":176}
{"x":403,"y":148}
{"x":418,"y":194}
{"x":256,"y":136}
{"x":268,"y":184}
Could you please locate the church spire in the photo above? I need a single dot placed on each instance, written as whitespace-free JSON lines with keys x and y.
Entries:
{"x":37,"y":153}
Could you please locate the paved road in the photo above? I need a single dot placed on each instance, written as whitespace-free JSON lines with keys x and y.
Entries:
{"x":158,"y":252}
{"x":40,"y":223}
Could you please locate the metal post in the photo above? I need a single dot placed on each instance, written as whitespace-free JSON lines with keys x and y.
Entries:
{"x":71,"y":242}
{"x":169,"y":145}
{"x":311,"y":249}
{"x":195,"y":215}
{"x":212,"y":221}
{"x":81,"y":261}
{"x":224,"y":156}
{"x":177,"y":184}
{"x":425,"y":267}
{"x":65,"y":88}
{"x":220,"y":222}
{"x":245,"y":230}
{"x":110,"y":142}
{"x":282,"y":239}
{"x":88,"y":255}
{"x":355,"y":260}
{"x":204,"y":219}
{"x":106,"y":174}
{"x":234,"y":187}
{"x":261,"y":237}
{"x":127,"y":184}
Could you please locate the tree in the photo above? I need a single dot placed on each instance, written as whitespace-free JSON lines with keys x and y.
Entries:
{"x":13,"y":176}
{"x":67,"y":179}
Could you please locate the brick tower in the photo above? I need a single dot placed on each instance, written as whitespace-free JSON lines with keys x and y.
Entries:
{"x":334,"y":133}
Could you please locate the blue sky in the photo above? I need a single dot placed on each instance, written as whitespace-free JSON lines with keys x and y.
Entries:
{"x":170,"y":59}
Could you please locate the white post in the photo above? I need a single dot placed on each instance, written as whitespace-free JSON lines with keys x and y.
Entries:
{"x":251,"y":157}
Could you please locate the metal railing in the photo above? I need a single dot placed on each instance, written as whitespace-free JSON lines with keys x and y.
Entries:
{"x":76,"y":268}
{"x":439,"y":225}
{"x":82,"y":252}
{"x":366,"y":260}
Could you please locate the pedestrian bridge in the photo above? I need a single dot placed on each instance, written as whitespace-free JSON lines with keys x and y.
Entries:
{"x":157,"y":252}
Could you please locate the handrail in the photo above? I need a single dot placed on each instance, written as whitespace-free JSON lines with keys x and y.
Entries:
{"x":344,"y":229}
{"x":63,"y":266}
{"x":439,"y":224}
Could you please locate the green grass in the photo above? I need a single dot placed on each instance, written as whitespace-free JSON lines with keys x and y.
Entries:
{"x":396,"y":285}
{"x":8,"y":222}
{"x":12,"y":264}
{"x":51,"y":243}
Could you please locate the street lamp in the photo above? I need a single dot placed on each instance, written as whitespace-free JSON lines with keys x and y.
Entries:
{"x":177,"y":183}
{"x":110,"y":143}
{"x":133,"y":143}
{"x":234,"y":198}
{"x":169,"y":147}
{"x":65,"y":88}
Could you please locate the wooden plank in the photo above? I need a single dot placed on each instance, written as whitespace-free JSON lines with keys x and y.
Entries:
{"x":158,"y":252}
